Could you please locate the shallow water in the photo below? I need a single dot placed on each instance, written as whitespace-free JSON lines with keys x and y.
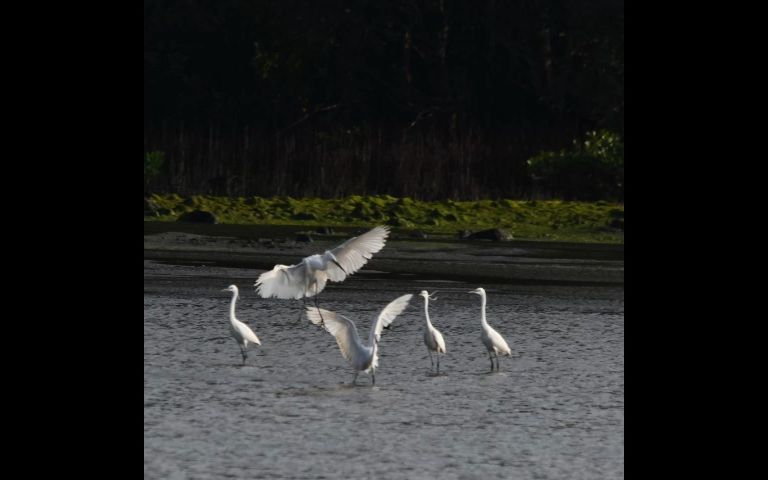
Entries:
{"x":555,"y":410}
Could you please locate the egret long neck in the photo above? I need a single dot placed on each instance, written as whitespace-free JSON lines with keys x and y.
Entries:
{"x":232,"y":308}
{"x":483,"y":321}
{"x":426,"y":311}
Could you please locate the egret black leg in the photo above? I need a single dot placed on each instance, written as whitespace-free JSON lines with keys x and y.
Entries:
{"x":303,"y":307}
{"x":242,"y":352}
{"x":373,"y":379}
{"x":497,"y":360}
{"x":438,"y":362}
{"x":354,"y":380}
{"x":491,"y":359}
{"x":432,"y":362}
{"x":322,"y":320}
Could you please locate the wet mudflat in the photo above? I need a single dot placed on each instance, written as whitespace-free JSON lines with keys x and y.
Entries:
{"x":555,"y":410}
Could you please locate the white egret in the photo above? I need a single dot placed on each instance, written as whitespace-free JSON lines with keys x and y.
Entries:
{"x":362,"y":356}
{"x":308,"y":277}
{"x":433,"y":339}
{"x":492,"y":340}
{"x":241,"y":332}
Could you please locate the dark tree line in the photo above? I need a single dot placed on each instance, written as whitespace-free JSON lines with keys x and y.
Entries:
{"x":440,"y":98}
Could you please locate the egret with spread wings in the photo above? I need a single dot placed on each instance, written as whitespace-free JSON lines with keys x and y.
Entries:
{"x":308,"y":277}
{"x":362,"y":356}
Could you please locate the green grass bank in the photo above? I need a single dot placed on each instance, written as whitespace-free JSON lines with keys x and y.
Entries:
{"x":592,"y":222}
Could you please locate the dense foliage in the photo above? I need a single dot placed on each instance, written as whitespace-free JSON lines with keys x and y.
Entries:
{"x":591,"y":169}
{"x":427,"y":98}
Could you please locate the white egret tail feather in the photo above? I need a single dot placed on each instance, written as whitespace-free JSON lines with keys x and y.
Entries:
{"x":503,"y":348}
{"x":388,"y":315}
{"x":353,"y":254}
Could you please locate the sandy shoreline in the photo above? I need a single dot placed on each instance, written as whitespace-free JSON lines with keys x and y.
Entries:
{"x":249,"y":246}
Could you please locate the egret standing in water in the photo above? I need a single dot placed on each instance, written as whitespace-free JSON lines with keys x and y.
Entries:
{"x":308,"y":278}
{"x":433,"y":339}
{"x":492,"y":340}
{"x":363,"y":356}
{"x":241,"y":332}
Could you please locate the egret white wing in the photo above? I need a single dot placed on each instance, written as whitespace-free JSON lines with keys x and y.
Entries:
{"x":287,"y":282}
{"x":354,"y":253}
{"x":343,"y":329}
{"x":388,"y":315}
{"x":439,"y":340}
{"x":499,"y":343}
{"x":247,"y":333}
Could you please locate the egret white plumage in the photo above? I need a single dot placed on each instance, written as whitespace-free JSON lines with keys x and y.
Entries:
{"x":241,"y":332}
{"x":492,"y":340}
{"x":433,"y":339}
{"x":362,"y":356}
{"x":308,"y":277}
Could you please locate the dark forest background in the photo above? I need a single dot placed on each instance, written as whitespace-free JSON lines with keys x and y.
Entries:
{"x":423,"y":98}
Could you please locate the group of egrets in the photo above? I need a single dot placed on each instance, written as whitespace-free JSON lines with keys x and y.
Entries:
{"x":309,"y":277}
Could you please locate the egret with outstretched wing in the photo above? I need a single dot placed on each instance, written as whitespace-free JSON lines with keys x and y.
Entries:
{"x":363,"y":356}
{"x":309,"y":277}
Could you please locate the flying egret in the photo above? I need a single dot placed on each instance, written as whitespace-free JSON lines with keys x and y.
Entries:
{"x":241,"y":332}
{"x":308,"y":277}
{"x":492,"y":340}
{"x":362,"y":356}
{"x":433,"y":339}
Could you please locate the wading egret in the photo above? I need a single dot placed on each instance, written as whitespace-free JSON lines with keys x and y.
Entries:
{"x":491,"y":339}
{"x":362,"y":356}
{"x":241,"y":332}
{"x":308,"y":278}
{"x":433,"y":339}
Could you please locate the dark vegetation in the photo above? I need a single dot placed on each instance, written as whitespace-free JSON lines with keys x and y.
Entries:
{"x":431,"y":100}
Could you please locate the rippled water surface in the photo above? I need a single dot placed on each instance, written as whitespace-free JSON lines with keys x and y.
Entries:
{"x":555,"y":410}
